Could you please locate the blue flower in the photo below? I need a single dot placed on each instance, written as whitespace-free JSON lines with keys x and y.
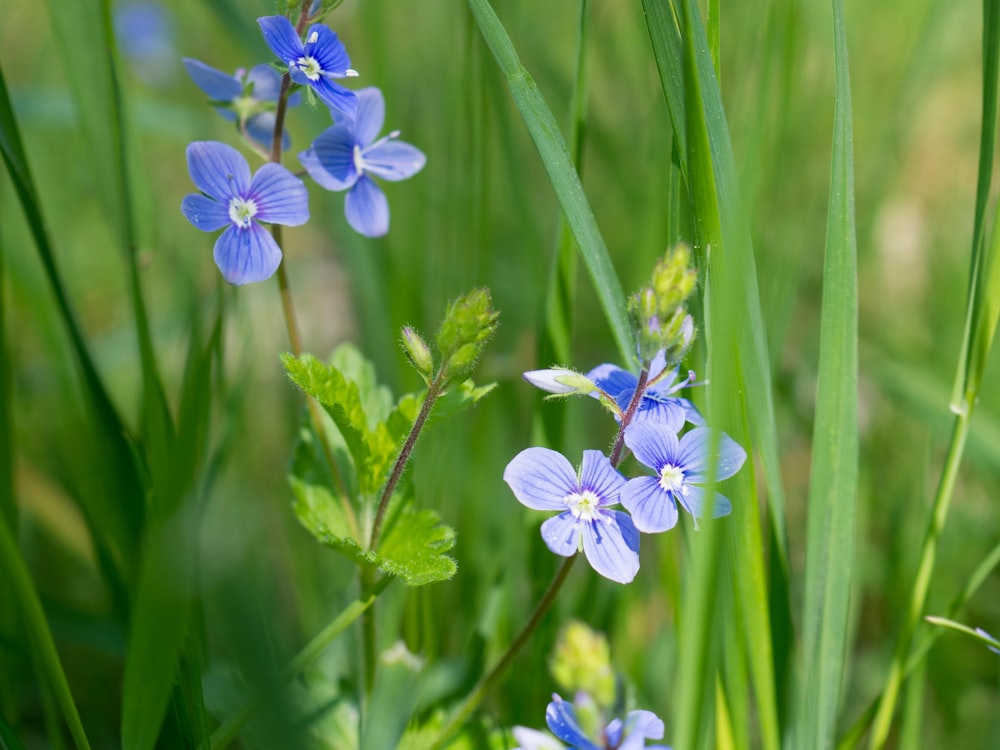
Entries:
{"x":658,"y":402}
{"x":315,"y":63}
{"x":543,"y":479}
{"x":344,"y":156}
{"x":246,"y":251}
{"x":984,"y":634}
{"x":145,"y":33}
{"x":630,"y":734}
{"x":242,"y":95}
{"x":680,"y":466}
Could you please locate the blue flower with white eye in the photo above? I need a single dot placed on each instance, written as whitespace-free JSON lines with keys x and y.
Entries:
{"x":658,"y":402}
{"x":628,"y":734}
{"x":543,"y":479}
{"x":680,"y":467}
{"x":347,"y":156}
{"x":245,"y":252}
{"x":315,"y":62}
{"x":240,"y":97}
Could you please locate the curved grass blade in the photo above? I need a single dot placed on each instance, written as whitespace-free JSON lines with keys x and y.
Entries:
{"x":24,"y":593}
{"x":834,"y":476}
{"x":558,"y":164}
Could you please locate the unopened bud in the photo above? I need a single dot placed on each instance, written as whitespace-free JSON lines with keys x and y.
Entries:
{"x":417,"y":351}
{"x":468,"y":324}
{"x":560,"y":381}
{"x":581,"y":662}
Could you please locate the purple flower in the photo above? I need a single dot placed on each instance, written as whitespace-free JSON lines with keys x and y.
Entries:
{"x":145,"y":34}
{"x":229,"y":198}
{"x":630,"y":734}
{"x":680,"y":466}
{"x":344,"y":156}
{"x":543,"y":479}
{"x":242,"y":94}
{"x":658,"y":402}
{"x":315,"y":63}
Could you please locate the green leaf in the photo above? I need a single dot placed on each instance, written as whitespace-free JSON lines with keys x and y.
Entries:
{"x":565,"y":181}
{"x":834,"y":476}
{"x":413,"y":543}
{"x":8,"y":740}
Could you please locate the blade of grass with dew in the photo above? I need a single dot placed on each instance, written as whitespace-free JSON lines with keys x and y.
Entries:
{"x":558,"y":164}
{"x":833,"y":480}
{"x":753,"y":360}
{"x":556,"y":335}
{"x":110,"y":509}
{"x":29,"y":605}
{"x":166,"y":584}
{"x":86,"y":42}
{"x":927,"y":639}
{"x":982,"y":310}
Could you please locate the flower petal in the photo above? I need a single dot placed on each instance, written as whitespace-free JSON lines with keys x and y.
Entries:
{"x":394,"y":160}
{"x":561,"y":720}
{"x":639,"y":727}
{"x":327,"y":50}
{"x":692,"y":454}
{"x":330,"y":161}
{"x":281,"y":38}
{"x":611,"y":545}
{"x":532,"y":739}
{"x":613,"y":380}
{"x":266,"y":83}
{"x":247,"y":255}
{"x":218,"y":170}
{"x":281,"y":197}
{"x":664,"y":411}
{"x":336,"y":97}
{"x":205,"y":213}
{"x":653,"y":444}
{"x":653,"y":508}
{"x":366,"y":208}
{"x":260,"y":128}
{"x":598,"y":475}
{"x":541,"y":478}
{"x":219,"y":86}
{"x":562,"y":534}
{"x":370,"y":115}
{"x":694,"y":500}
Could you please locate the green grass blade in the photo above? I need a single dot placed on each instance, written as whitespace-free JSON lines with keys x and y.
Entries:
{"x":16,"y":576}
{"x":734,"y":281}
{"x":116,"y":513}
{"x":834,"y":477}
{"x":8,"y":740}
{"x":8,"y":508}
{"x":558,"y":164}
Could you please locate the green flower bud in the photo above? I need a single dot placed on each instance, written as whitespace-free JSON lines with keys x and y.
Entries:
{"x":417,"y":352}
{"x":468,"y":324}
{"x":581,"y":661}
{"x":658,"y":313}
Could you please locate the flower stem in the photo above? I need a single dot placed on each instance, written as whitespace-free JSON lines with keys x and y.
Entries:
{"x":433,"y":392}
{"x":633,"y":407}
{"x":486,"y":684}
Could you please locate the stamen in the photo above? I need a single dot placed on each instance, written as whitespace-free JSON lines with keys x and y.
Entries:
{"x":584,"y":505}
{"x":672,"y":479}
{"x":310,"y":67}
{"x":351,"y":73}
{"x":312,"y":38}
{"x":242,"y":211}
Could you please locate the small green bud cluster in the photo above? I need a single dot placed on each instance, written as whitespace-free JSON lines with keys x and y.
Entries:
{"x":658,"y":312}
{"x":468,"y":325}
{"x":581,"y":662}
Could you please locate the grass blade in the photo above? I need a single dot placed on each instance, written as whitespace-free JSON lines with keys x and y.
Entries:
{"x":558,"y":163}
{"x":834,"y":477}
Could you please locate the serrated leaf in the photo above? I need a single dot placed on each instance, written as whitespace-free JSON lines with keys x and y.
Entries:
{"x":376,"y":399}
{"x":460,"y":397}
{"x":413,"y":548}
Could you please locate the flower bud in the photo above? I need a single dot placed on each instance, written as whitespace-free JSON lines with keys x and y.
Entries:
{"x":468,"y":324}
{"x":658,"y":313}
{"x":417,"y":352}
{"x":581,"y":662}
{"x":560,"y":381}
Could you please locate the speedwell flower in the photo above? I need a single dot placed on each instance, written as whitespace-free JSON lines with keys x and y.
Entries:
{"x":315,"y":63}
{"x":630,"y":734}
{"x":680,"y":466}
{"x":347,"y":155}
{"x":239,"y":96}
{"x":542,"y":479}
{"x":229,"y":198}
{"x":658,"y":402}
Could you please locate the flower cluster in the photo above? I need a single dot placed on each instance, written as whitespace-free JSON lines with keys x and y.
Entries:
{"x":345,"y":157}
{"x":652,"y":421}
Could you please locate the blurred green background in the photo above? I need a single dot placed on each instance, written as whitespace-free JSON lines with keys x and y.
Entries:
{"x":483,"y":213}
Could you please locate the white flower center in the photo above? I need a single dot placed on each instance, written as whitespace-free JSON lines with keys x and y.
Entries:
{"x":310,"y":67}
{"x":242,"y":211}
{"x":584,"y":505}
{"x":672,"y":479}
{"x":359,"y":159}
